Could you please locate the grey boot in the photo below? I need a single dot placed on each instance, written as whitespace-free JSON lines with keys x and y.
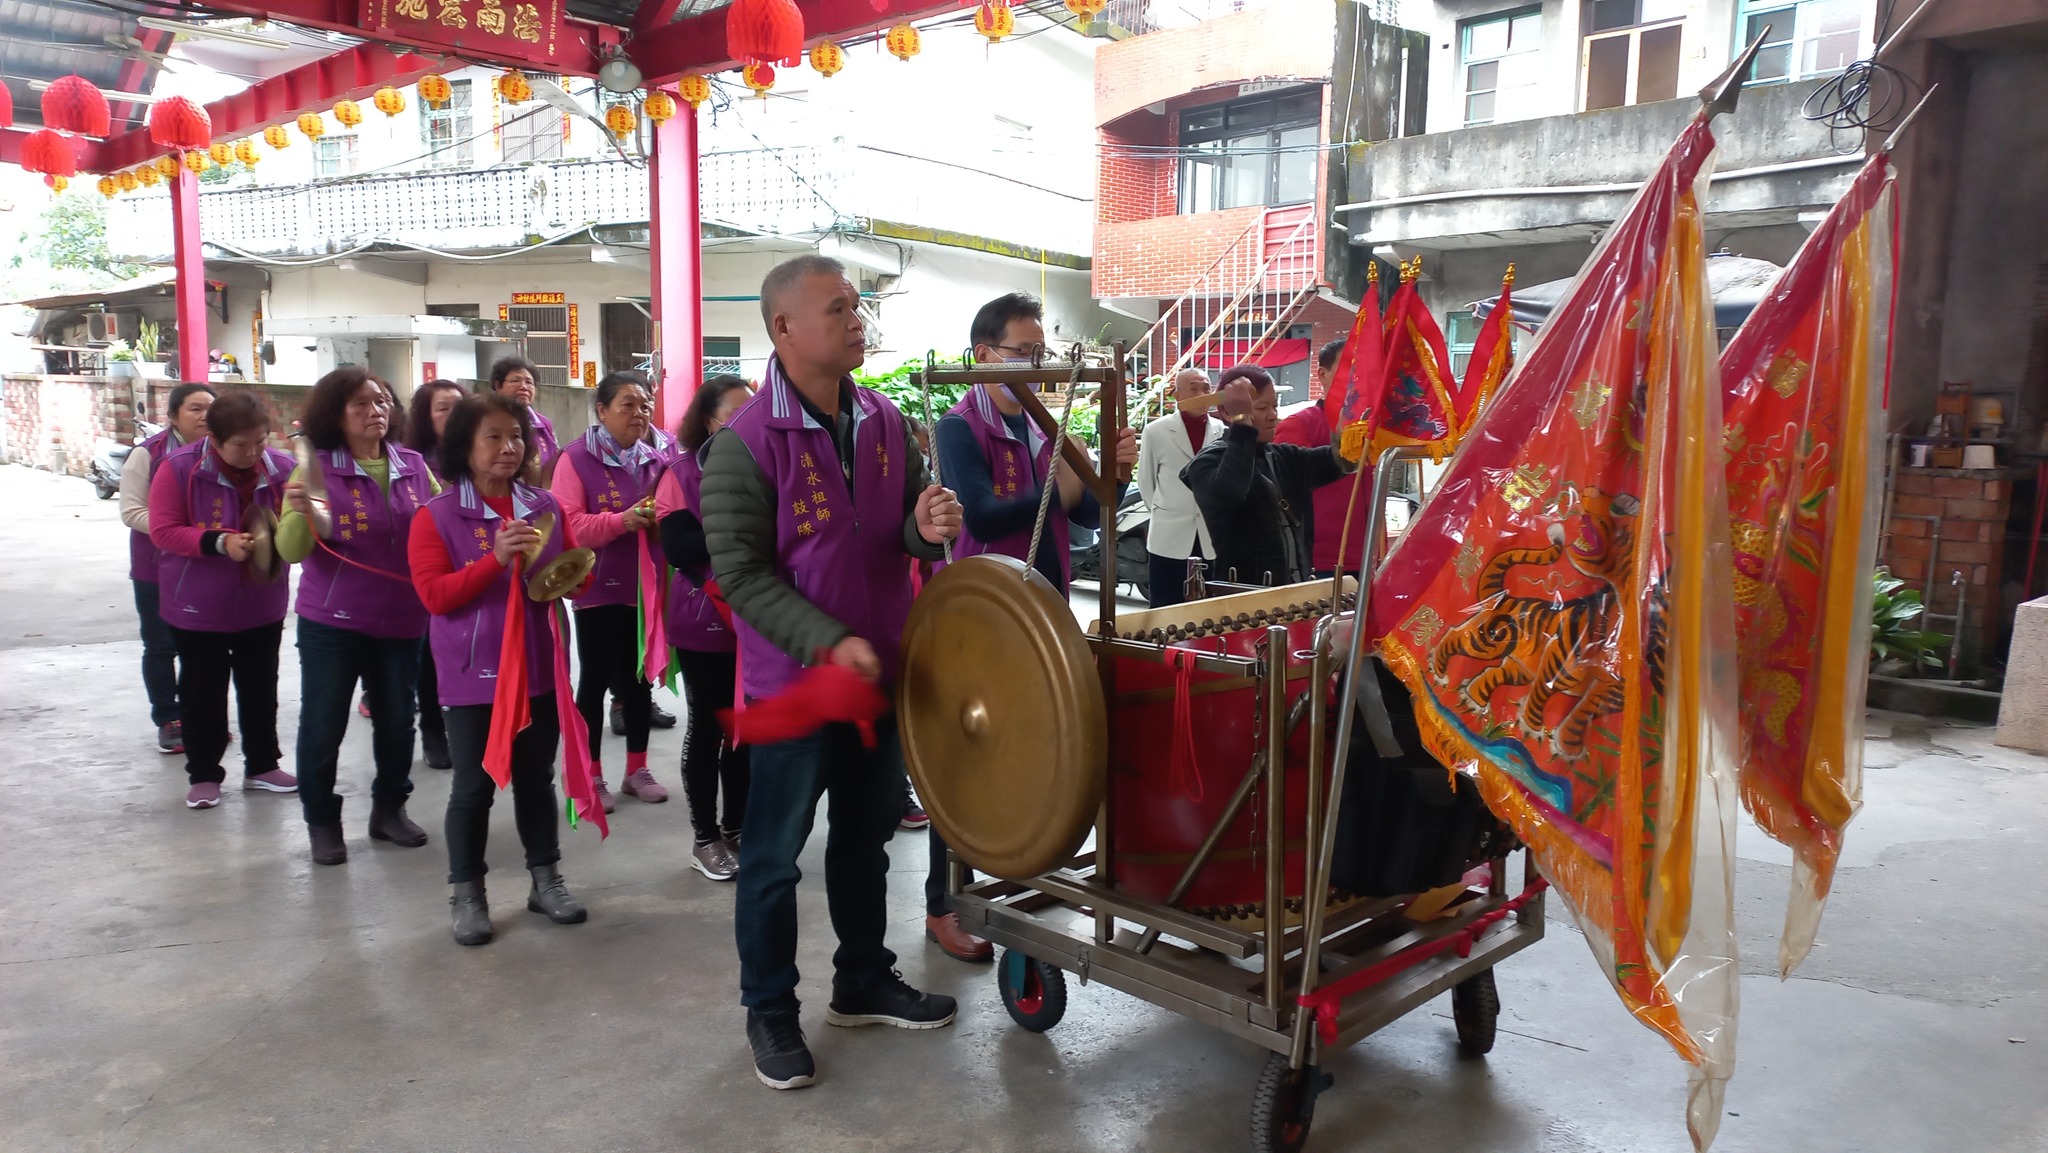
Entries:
{"x":471,"y":913}
{"x":552,"y":897}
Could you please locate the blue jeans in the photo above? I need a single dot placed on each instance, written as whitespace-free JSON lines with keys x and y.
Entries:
{"x":159,"y":655}
{"x":331,"y":660}
{"x":865,"y":790}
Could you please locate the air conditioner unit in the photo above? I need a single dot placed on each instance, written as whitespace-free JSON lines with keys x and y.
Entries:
{"x":107,"y":327}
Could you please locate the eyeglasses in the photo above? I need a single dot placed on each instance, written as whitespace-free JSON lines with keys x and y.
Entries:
{"x":1029,"y":350}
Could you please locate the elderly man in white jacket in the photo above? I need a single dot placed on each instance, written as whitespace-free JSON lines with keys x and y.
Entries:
{"x":1169,"y":443}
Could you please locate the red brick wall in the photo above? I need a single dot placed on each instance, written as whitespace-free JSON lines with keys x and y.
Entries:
{"x":1163,"y":256}
{"x":1973,"y":512}
{"x":1134,"y":185}
{"x":1289,"y":39}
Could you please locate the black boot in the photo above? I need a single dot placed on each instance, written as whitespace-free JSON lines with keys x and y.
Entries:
{"x":434,"y":747}
{"x":472,"y":914}
{"x":388,"y":822}
{"x":660,"y":718}
{"x":328,"y":847}
{"x":552,"y":897}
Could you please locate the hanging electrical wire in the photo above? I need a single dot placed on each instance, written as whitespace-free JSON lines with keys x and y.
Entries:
{"x":1867,"y":96}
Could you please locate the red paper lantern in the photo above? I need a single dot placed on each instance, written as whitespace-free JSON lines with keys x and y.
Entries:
{"x":72,"y":104}
{"x":48,"y":152}
{"x":179,"y":123}
{"x":764,"y":31}
{"x":6,"y":106}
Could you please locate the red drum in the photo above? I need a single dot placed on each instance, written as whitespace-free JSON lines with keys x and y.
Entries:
{"x":1162,"y":803}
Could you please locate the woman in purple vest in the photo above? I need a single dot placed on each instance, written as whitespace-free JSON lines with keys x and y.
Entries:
{"x":603,"y":480}
{"x":185,"y":417}
{"x":463,"y":547}
{"x":515,"y":377}
{"x":703,"y":641}
{"x":359,"y":618}
{"x":225,"y":625}
{"x":424,"y":425}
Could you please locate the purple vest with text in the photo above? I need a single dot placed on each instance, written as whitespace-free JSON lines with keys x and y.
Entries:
{"x":371,"y":530}
{"x":611,"y":488}
{"x":546,"y":447}
{"x":208,"y":594}
{"x":142,"y":552}
{"x":693,"y":622}
{"x":1015,"y":474}
{"x":466,"y":642}
{"x":841,"y":550}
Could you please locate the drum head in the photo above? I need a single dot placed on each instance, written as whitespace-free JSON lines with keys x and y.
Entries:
{"x":1002,"y":717}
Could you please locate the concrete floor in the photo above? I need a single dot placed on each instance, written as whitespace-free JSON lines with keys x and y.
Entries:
{"x":176,"y":980}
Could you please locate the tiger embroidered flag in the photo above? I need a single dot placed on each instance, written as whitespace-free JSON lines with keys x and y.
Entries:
{"x":1803,"y":397}
{"x":1560,"y":611}
{"x":1493,"y":354}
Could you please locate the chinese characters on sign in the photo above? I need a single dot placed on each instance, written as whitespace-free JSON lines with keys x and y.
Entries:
{"x":475,"y":24}
{"x":539,"y":298}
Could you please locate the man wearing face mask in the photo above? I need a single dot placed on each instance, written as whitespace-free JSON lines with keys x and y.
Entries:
{"x":1255,"y":494}
{"x":999,"y":460}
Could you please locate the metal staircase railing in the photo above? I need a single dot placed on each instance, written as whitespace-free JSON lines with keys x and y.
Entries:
{"x":1248,"y":296}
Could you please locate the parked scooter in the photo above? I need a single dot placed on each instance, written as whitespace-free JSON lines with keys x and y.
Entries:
{"x":109,"y":456}
{"x":1133,"y":565}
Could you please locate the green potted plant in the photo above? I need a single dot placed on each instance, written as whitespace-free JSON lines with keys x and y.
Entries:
{"x":120,"y":359}
{"x":1896,"y":648}
{"x":148,"y":338}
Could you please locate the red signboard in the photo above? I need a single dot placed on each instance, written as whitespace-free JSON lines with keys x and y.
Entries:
{"x":481,"y":26}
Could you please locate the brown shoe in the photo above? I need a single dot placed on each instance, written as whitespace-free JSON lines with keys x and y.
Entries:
{"x":388,"y":822}
{"x":955,"y":941}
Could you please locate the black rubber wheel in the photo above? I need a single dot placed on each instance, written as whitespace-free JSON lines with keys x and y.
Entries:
{"x":1034,"y":991}
{"x":105,"y":492}
{"x":1284,"y":1105}
{"x":1475,"y":1006}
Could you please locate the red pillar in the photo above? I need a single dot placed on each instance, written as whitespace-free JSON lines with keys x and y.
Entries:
{"x":677,"y":267}
{"x":190,"y":263}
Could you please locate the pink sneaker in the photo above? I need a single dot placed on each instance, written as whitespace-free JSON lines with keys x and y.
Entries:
{"x":604,"y":794}
{"x":274,"y":781}
{"x":204,"y":795}
{"x":642,"y":784}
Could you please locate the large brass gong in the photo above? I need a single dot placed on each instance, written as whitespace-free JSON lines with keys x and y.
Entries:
{"x":1002,"y":718}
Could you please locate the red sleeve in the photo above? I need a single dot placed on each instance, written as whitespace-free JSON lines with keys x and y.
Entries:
{"x":1308,"y":428}
{"x":442,"y":587}
{"x":170,"y":527}
{"x":599,"y":528}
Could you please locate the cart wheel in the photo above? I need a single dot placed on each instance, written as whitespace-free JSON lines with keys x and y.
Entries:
{"x":1284,"y":1105}
{"x":1034,"y":991}
{"x":1475,"y":1006}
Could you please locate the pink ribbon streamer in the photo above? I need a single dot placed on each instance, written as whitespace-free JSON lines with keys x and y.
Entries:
{"x":654,"y":642}
{"x":576,"y":779}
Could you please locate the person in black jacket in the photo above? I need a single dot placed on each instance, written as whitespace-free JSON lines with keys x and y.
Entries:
{"x":1255,"y":495}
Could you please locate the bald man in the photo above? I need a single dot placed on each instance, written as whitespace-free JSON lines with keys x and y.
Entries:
{"x":1167,"y":446}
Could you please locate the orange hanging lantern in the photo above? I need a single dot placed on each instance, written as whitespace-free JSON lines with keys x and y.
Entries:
{"x":179,"y":123}
{"x":903,"y":42}
{"x":1087,"y":9}
{"x":127,"y":181}
{"x":245,"y":151}
{"x":108,"y":187}
{"x":764,"y":31}
{"x":620,"y":120}
{"x":388,"y":100}
{"x":994,"y":20}
{"x":49,"y":153}
{"x":514,"y":88}
{"x":72,"y":104}
{"x":827,"y":58}
{"x":147,"y":176}
{"x":167,"y":167}
{"x":348,"y":113}
{"x":694,"y":89}
{"x":57,"y":183}
{"x":760,"y":78}
{"x":277,"y":137}
{"x":659,"y":107}
{"x":197,"y":161}
{"x":220,"y":152}
{"x":311,"y":125}
{"x":434,"y":88}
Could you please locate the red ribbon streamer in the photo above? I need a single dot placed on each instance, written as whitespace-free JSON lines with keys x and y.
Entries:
{"x":510,"y":711}
{"x":1181,"y":763}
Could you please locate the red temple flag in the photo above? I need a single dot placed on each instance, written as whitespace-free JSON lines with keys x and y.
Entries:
{"x":1493,"y":354}
{"x":1351,"y":400}
{"x":1561,"y":612}
{"x":1417,"y":406}
{"x":1803,"y":398}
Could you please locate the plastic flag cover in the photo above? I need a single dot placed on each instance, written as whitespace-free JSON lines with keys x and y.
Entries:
{"x":1803,"y":399}
{"x":1561,"y":611}
{"x":1419,"y":405}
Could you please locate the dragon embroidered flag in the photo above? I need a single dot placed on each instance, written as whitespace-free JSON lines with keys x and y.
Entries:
{"x":1419,"y":405}
{"x":1561,"y":612}
{"x":1803,"y":391}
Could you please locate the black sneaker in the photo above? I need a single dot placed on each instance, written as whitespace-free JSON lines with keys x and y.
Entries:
{"x":781,"y":1059}
{"x":890,"y":1002}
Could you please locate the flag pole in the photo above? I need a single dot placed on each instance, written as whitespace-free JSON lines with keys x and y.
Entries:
{"x":1720,"y":95}
{"x":1892,"y":141}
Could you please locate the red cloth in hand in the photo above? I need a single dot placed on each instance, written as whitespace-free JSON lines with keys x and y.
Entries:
{"x":820,"y":695}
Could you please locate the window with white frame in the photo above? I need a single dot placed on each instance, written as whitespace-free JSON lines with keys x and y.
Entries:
{"x":1802,"y":38}
{"x":1630,"y":52}
{"x":334,"y":155}
{"x":1498,"y":62}
{"x":532,"y":129}
{"x":446,"y":128}
{"x":1257,"y":150}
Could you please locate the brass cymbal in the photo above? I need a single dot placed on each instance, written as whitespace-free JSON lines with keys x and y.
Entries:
{"x":1002,"y":719}
{"x":562,"y":575}
{"x":263,"y":566}
{"x":313,"y":477}
{"x":544,"y":524}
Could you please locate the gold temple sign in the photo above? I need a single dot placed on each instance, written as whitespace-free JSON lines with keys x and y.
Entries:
{"x":540,"y":298}
{"x":481,"y":25}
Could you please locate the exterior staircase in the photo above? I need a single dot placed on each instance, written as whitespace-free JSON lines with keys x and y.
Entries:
{"x":1244,"y":301}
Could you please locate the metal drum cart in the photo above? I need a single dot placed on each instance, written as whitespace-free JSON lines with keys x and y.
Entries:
{"x":1063,"y":764}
